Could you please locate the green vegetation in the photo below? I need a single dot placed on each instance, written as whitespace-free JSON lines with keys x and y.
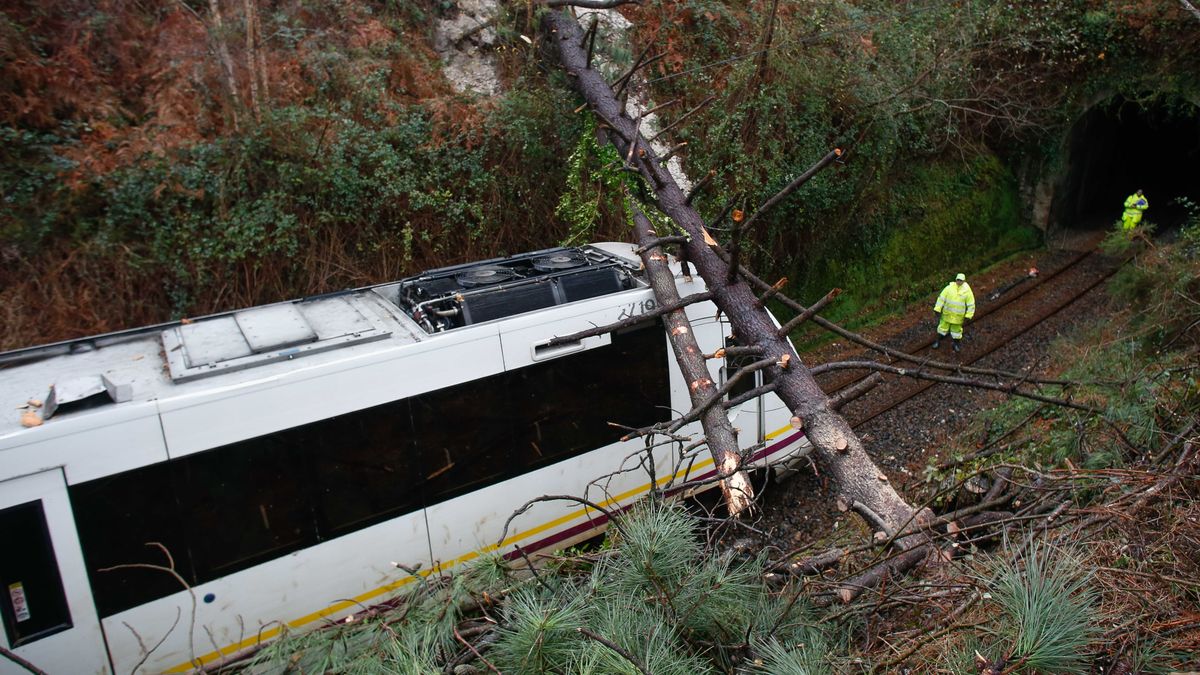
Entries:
{"x":654,"y":599}
{"x":128,"y":155}
{"x":1049,"y":608}
{"x":34,"y":196}
{"x":670,"y":605}
{"x":937,"y":106}
{"x":595,"y":187}
{"x":940,"y":219}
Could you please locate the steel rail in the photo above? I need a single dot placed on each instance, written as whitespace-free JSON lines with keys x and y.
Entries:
{"x":835,"y":384}
{"x":917,"y":387}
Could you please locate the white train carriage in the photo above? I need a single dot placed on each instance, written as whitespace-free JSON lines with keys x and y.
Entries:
{"x":195,"y":486}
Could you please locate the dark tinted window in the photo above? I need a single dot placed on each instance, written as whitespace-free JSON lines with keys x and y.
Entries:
{"x":246,"y":503}
{"x":463,"y":437}
{"x":117,"y":517}
{"x":34,"y":604}
{"x":569,"y":405}
{"x":227,"y":509}
{"x":363,"y":468}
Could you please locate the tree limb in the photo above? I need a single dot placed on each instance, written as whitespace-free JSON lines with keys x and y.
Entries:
{"x":1191,"y":8}
{"x":962,"y":381}
{"x":837,"y":448}
{"x":722,"y":440}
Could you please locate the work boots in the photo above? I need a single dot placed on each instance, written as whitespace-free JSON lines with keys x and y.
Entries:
{"x":957,"y":347}
{"x":937,"y":342}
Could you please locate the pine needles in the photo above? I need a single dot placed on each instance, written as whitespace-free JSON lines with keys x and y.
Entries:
{"x":658,"y":601}
{"x":1048,"y":606}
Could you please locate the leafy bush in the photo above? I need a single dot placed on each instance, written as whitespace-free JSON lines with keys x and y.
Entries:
{"x":595,"y":183}
{"x":256,"y":200}
{"x":34,"y":198}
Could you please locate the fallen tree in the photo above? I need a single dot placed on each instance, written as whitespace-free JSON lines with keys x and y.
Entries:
{"x":718,"y":432}
{"x":859,"y":482}
{"x":859,"y":485}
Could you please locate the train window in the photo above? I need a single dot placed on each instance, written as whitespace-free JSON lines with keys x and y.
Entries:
{"x":568,"y":406}
{"x":245,"y":503}
{"x":34,"y":604}
{"x":223,"y":510}
{"x":363,"y":468}
{"x":463,"y":437}
{"x":120,"y":519}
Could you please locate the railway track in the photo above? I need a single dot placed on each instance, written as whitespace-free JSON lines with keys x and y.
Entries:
{"x":997,"y":324}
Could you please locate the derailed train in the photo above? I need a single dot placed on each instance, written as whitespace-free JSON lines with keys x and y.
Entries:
{"x":188,"y":489}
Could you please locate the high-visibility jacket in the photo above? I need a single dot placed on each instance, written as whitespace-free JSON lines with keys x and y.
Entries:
{"x":956,"y":303}
{"x":1134,"y":205}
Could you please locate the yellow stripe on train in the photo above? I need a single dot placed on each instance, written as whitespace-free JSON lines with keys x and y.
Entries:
{"x":374,"y":593}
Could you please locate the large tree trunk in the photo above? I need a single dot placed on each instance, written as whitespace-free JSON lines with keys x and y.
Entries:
{"x":859,"y":482}
{"x":718,"y":432}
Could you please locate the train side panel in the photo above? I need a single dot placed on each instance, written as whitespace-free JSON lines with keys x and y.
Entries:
{"x":49,"y":619}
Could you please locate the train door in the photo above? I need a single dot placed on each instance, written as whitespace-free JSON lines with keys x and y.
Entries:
{"x":48,"y":615}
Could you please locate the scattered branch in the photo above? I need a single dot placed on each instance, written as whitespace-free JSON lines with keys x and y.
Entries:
{"x":21,"y":662}
{"x":947,"y":379}
{"x":613,"y":646}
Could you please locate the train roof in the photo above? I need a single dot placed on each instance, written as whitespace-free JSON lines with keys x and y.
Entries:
{"x":39,"y":385}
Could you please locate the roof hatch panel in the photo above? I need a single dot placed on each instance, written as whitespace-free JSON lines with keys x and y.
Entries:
{"x":262,"y":335}
{"x":335,"y":317}
{"x":211,"y":341}
{"x":274,"y":327}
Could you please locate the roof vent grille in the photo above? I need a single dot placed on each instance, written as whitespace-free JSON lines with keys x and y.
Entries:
{"x":485,"y":276}
{"x":453,"y":297}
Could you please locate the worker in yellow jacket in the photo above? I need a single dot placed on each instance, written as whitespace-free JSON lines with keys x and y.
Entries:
{"x":1134,"y":205}
{"x":956,"y":304}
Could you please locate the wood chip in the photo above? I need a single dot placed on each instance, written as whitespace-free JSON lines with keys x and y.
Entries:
{"x":880,"y":537}
{"x":796,"y":423}
{"x":34,"y":403}
{"x":30,"y":418}
{"x":842,"y":505}
{"x":841,"y":444}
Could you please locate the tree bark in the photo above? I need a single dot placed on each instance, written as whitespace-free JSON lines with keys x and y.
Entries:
{"x":217,"y":33}
{"x":718,"y":432}
{"x":252,"y":59}
{"x":839,"y":451}
{"x":1191,"y":8}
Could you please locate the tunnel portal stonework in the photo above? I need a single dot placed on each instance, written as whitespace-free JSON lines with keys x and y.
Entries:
{"x":1117,"y":146}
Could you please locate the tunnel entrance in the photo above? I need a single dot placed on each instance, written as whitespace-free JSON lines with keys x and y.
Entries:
{"x":1121,"y":146}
